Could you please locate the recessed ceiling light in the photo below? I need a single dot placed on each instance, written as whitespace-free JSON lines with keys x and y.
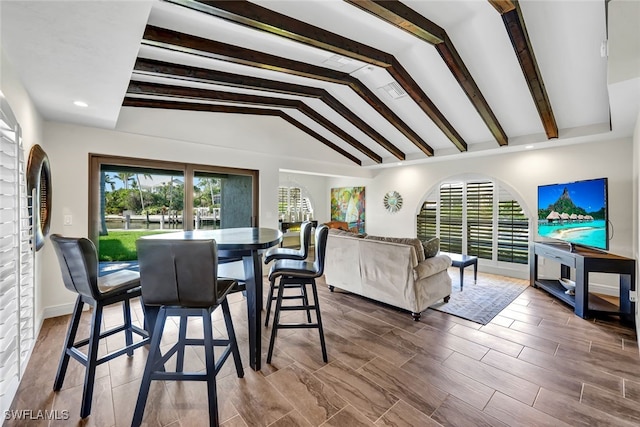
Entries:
{"x":528,"y":147}
{"x":394,"y":90}
{"x":337,"y":61}
{"x":80,"y":104}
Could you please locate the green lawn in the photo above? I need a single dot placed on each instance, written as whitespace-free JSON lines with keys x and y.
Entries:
{"x":121,"y":245}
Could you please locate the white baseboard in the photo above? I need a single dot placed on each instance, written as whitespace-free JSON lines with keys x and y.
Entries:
{"x":520,"y":273}
{"x":492,"y":269}
{"x":596,"y":288}
{"x":59,"y":310}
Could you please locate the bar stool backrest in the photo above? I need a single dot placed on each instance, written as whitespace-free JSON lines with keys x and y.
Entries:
{"x":305,"y":238}
{"x":79,"y":264}
{"x":322,"y":232}
{"x":179,"y":272}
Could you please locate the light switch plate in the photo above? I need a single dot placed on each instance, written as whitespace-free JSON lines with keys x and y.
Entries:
{"x":68,"y":220}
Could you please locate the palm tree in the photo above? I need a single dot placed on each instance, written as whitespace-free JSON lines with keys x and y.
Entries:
{"x":104,"y":179}
{"x":125,"y":177}
{"x":210,"y":184}
{"x":147,"y":176}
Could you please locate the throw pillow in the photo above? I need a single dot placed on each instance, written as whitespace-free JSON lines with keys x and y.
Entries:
{"x":431,"y":247}
{"x":411,"y":241}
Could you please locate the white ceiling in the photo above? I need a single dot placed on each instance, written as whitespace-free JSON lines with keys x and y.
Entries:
{"x":86,"y":50}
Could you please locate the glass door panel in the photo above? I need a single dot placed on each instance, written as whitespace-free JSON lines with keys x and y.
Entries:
{"x":222,"y":200}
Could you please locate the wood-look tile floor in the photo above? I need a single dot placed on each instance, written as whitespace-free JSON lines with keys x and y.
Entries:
{"x":535,"y":364}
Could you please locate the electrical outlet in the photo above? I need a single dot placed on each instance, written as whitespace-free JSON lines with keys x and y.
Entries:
{"x":68,"y":220}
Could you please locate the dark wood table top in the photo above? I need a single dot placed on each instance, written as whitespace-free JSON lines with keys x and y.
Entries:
{"x":459,"y":258}
{"x":244,"y":238}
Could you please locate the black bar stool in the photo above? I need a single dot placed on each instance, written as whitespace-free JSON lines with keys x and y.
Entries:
{"x":180,"y":276}
{"x":79,"y":265}
{"x":299,"y":254}
{"x":300,"y":273}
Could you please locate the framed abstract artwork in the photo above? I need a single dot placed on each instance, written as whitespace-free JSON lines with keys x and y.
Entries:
{"x":348,"y":205}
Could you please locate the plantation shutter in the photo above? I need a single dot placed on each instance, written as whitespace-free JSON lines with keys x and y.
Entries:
{"x":513,"y":231}
{"x":427,"y":220}
{"x":480,"y":219}
{"x":16,"y":260}
{"x":306,"y":206}
{"x":283,"y":201}
{"x":295,"y":201}
{"x":451,"y":217}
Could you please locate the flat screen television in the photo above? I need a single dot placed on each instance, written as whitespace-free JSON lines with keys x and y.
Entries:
{"x":575,"y":212}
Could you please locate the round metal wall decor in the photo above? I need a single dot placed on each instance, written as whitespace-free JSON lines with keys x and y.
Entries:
{"x":392,"y":201}
{"x":39,"y":178}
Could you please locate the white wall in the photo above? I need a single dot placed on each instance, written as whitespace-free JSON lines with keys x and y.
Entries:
{"x":68,"y":147}
{"x":31,"y":124}
{"x":523,"y":171}
{"x":636,"y":209}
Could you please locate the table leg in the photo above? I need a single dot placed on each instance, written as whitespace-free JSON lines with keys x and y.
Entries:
{"x":475,"y":271}
{"x":253,"y":282}
{"x":461,"y":277}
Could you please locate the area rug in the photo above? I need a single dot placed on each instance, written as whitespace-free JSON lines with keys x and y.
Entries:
{"x":482,"y":301}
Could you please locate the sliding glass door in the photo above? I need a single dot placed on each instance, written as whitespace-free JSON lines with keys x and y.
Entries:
{"x":131,"y":197}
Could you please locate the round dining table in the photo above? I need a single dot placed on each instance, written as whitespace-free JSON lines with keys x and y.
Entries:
{"x":246,"y":244}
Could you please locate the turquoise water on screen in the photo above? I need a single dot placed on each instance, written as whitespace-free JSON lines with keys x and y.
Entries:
{"x":588,"y":233}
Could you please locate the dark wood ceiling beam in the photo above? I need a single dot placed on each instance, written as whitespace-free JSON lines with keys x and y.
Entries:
{"x":401,"y":75}
{"x":156,"y":89}
{"x":164,"y":69}
{"x":192,"y":106}
{"x":407,"y":19}
{"x":503,"y":6}
{"x":173,"y":40}
{"x":403,"y":17}
{"x":205,"y":75}
{"x":517,"y":31}
{"x":264,"y":19}
{"x":261,"y":18}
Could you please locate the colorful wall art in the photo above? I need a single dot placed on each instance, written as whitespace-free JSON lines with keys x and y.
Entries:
{"x":347,"y":204}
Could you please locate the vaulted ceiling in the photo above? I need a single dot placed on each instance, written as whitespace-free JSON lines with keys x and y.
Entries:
{"x":376,"y":82}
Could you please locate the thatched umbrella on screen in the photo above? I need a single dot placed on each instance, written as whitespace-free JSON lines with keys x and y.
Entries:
{"x":573,"y":217}
{"x":564,"y":216}
{"x":580,"y":217}
{"x":553,"y":216}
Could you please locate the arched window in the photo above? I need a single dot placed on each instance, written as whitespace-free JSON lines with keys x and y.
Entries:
{"x":293,"y":204}
{"x":476,"y":217}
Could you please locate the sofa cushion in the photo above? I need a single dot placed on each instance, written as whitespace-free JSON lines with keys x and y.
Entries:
{"x":411,"y":241}
{"x":340,"y":232}
{"x":431,"y":266}
{"x":431,"y":247}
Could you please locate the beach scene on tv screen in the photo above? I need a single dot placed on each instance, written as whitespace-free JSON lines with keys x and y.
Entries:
{"x":574,"y":212}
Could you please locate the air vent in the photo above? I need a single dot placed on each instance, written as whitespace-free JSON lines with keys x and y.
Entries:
{"x":394,"y":90}
{"x":337,"y":61}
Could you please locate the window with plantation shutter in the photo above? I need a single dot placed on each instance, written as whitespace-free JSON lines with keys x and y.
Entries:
{"x":451,"y":217}
{"x":16,"y":260}
{"x":427,"y":220}
{"x":513,"y":231}
{"x":292,"y":206}
{"x":476,"y":217}
{"x":283,"y":201}
{"x":480,"y":219}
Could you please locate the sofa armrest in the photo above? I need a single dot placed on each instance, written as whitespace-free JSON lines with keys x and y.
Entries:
{"x":431,"y":266}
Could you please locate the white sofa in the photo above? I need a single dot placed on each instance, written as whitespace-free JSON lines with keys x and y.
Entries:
{"x":390,"y":270}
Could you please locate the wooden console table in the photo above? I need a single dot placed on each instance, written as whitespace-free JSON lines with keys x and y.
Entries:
{"x":586,"y":261}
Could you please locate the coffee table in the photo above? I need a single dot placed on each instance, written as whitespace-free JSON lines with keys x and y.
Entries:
{"x":462,"y":261}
